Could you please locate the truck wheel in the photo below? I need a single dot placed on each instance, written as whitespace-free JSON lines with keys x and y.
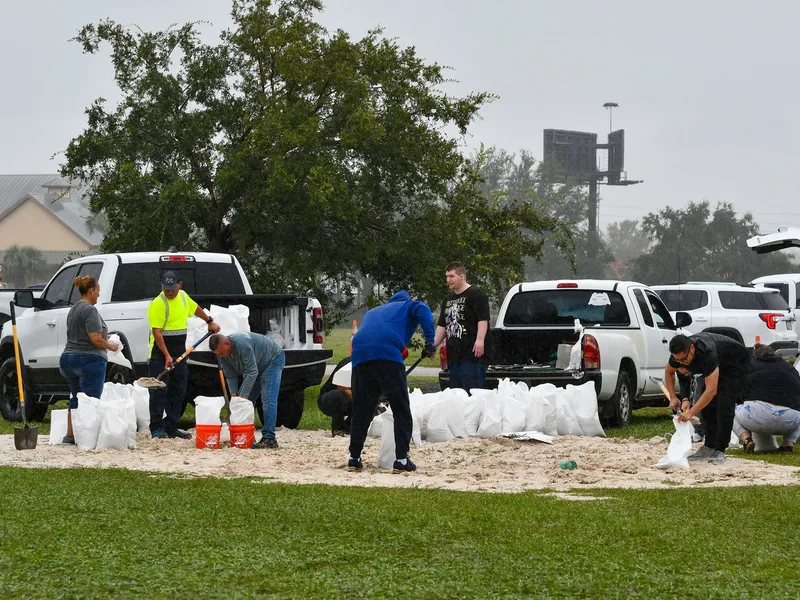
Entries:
{"x":9,"y":395}
{"x":290,"y":407}
{"x":621,"y":403}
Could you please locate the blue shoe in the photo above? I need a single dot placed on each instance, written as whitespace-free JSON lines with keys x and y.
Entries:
{"x":159,"y":433}
{"x":355,"y":465}
{"x":179,"y":433}
{"x":399,"y":467}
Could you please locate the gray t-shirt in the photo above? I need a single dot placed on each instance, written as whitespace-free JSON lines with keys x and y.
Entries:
{"x":83,"y":319}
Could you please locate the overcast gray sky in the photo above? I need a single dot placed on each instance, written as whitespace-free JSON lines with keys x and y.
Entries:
{"x":707,"y":90}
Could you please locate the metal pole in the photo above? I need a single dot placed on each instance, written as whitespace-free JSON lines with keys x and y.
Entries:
{"x":592,"y":245}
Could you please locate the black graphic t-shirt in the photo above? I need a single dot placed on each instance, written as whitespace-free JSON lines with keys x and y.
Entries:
{"x":459,"y":316}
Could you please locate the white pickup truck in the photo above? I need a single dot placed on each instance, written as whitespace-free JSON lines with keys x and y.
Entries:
{"x":627,"y":330}
{"x":6,"y":296}
{"x":128,"y":283}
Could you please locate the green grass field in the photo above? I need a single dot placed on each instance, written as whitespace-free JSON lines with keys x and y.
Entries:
{"x":102,"y":534}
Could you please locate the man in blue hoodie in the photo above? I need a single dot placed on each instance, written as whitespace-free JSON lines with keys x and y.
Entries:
{"x":378,"y":368}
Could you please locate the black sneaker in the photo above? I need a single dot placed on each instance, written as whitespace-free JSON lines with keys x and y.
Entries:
{"x":269,"y":443}
{"x":399,"y":467}
{"x":339,"y":433}
{"x":179,"y":433}
{"x":68,"y":439}
{"x":159,"y":434}
{"x":786,"y":449}
{"x":355,"y":465}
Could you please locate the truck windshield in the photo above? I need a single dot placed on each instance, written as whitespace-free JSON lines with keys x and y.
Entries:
{"x":141,"y":281}
{"x":563,"y":306}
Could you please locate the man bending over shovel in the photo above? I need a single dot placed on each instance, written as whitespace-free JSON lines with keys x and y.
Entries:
{"x":259,"y":360}
{"x":169,"y":315}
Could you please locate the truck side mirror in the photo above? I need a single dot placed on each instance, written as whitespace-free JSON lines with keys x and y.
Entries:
{"x":683,"y":319}
{"x":23,"y":299}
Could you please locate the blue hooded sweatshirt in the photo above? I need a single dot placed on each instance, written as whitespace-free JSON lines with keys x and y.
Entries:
{"x":387,"y":329}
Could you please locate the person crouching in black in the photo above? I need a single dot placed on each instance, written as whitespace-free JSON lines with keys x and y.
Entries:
{"x":336,"y":401}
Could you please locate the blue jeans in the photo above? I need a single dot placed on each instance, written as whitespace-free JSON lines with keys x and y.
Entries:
{"x":168,"y":399}
{"x":267,"y":386}
{"x":467,"y":375}
{"x":85,"y":373}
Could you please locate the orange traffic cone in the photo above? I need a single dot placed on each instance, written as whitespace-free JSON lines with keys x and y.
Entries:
{"x":352,"y":335}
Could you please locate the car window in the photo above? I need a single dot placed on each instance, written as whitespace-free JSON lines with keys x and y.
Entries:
{"x":142,"y":281}
{"x":644,"y":307}
{"x":85,"y":270}
{"x":783,"y":288}
{"x":58,"y":292}
{"x":683,"y":299}
{"x":563,"y":306}
{"x":660,"y":312}
{"x":752,"y":300}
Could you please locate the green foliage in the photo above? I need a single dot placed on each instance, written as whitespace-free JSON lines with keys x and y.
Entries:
{"x":312,"y":156}
{"x":698,"y":244}
{"x":87,"y":533}
{"x":626,"y":242}
{"x":23,"y":265}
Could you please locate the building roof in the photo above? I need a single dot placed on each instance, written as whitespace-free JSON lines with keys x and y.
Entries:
{"x":71,"y":206}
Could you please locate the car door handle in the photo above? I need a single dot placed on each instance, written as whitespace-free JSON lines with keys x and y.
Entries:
{"x":664,"y":341}
{"x":51,"y":323}
{"x":701,"y":319}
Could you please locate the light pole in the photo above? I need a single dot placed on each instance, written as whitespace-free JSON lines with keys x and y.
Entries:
{"x":610,"y":106}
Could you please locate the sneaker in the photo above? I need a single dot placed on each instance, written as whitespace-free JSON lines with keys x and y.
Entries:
{"x":704,"y":453}
{"x":339,"y":433}
{"x":697,"y":438}
{"x":179,"y":433}
{"x":785,"y":449}
{"x":717,"y":458}
{"x":70,"y":439}
{"x":355,"y":465}
{"x":266,"y":443}
{"x":749,"y":446}
{"x":159,"y":433}
{"x":399,"y":467}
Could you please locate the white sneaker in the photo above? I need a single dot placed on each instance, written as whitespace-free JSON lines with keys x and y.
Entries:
{"x":703,"y":454}
{"x":717,"y":458}
{"x":697,"y":438}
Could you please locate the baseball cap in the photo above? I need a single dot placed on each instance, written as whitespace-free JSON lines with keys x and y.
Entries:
{"x":170,"y":281}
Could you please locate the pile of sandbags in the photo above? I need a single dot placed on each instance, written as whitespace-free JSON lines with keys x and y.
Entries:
{"x":511,"y":408}
{"x":231,"y":319}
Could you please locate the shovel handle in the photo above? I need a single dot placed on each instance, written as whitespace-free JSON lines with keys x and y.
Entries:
{"x":16,"y":358}
{"x":184,"y":355}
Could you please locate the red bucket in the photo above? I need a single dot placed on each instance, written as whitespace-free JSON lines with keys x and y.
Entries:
{"x":207,"y":436}
{"x":242,"y":436}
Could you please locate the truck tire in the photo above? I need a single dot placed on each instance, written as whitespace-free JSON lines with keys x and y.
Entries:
{"x":9,"y":395}
{"x":621,"y":403}
{"x":119,"y":374}
{"x":290,"y":407}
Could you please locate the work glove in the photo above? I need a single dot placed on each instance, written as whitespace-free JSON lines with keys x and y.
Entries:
{"x":429,"y":351}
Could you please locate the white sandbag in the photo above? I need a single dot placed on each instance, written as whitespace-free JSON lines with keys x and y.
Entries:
{"x":535,"y":414}
{"x":514,"y":415}
{"x":567,"y":423}
{"x":550,"y":414}
{"x":386,"y":456}
{"x":428,"y":400}
{"x":735,"y":443}
{"x":141,"y":401}
{"x":86,"y":422}
{"x":438,"y":429}
{"x":343,"y":376}
{"x":376,"y":426}
{"x":455,"y":409}
{"x":576,"y":351}
{"x":416,"y":402}
{"x":243,"y":411}
{"x":117,"y":356}
{"x":521,"y":393}
{"x":473,"y":412}
{"x":129,"y":413}
{"x":583,"y":400}
{"x":679,"y":446}
{"x":492,"y":419}
{"x":113,"y":428}
{"x":225,"y":434}
{"x":207,"y":410}
{"x":58,"y":425}
{"x":242,"y":313}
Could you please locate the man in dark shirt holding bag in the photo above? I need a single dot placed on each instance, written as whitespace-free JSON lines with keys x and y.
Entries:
{"x":724,"y":364}
{"x":464,"y":321}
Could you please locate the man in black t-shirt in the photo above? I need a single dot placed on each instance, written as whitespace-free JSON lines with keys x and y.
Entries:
{"x":724,"y":364}
{"x":464,"y":321}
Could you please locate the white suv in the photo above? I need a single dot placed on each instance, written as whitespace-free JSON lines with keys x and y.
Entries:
{"x":748,"y":314}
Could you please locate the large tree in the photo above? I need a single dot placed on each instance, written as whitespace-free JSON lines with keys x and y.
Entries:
{"x":626,"y":241}
{"x":312,"y":156}
{"x":699,"y":244}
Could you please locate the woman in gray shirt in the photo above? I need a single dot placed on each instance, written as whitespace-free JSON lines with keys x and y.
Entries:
{"x":83,"y":362}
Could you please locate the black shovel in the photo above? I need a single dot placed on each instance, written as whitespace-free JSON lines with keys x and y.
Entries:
{"x":25,"y":438}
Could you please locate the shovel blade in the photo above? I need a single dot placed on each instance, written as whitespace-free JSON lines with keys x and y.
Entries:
{"x":26,"y":438}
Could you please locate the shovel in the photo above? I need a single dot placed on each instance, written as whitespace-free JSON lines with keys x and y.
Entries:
{"x":660,"y":383}
{"x":155,"y":382}
{"x":225,"y":395}
{"x":25,"y":438}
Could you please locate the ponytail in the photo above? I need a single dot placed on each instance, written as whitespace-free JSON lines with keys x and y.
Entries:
{"x":84,"y":284}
